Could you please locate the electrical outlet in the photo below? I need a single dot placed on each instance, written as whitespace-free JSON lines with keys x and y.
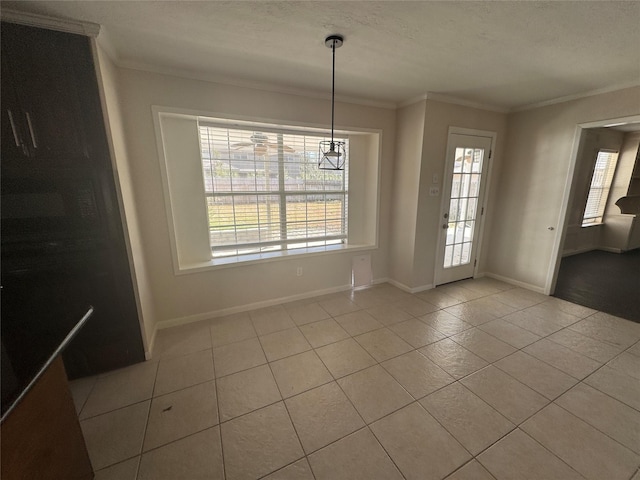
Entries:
{"x":434,"y":191}
{"x":299,"y":271}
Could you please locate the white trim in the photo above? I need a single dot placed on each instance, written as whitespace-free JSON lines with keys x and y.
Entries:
{"x":253,"y":259}
{"x":576,"y":96}
{"x":485,"y":194}
{"x":227,"y":262}
{"x":611,"y":249}
{"x":577,"y":251}
{"x":198,"y":317}
{"x":562,"y":226}
{"x":235,"y":82}
{"x":440,"y":97}
{"x":412,"y":101}
{"x":399,"y":285}
{"x":408,"y":289}
{"x":148,"y":354}
{"x":563,"y":217}
{"x":517,"y":283}
{"x":87,"y":29}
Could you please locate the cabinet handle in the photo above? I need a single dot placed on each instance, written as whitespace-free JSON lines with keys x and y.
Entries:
{"x":33,"y":136}
{"x":13,"y":129}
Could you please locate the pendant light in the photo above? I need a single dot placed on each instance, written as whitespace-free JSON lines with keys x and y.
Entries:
{"x":332,"y":153}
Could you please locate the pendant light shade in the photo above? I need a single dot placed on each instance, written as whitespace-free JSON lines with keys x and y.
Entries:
{"x":332,"y":153}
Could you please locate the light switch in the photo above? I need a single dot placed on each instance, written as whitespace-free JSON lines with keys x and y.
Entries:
{"x":435,"y":179}
{"x":434,"y":191}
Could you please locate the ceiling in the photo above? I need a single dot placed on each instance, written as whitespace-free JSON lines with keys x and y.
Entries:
{"x":501,"y":54}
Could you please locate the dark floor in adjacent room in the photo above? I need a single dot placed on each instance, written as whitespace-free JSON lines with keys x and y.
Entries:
{"x":609,"y":282}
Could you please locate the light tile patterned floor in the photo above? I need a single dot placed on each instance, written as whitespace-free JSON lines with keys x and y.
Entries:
{"x":473,"y":380}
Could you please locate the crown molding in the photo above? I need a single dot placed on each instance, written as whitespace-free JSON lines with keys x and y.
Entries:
{"x":441,"y":97}
{"x":577,"y":96}
{"x":413,"y":100}
{"x":87,"y":29}
{"x":207,"y":77}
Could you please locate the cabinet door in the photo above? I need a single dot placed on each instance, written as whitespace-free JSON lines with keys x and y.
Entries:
{"x":43,"y":64}
{"x":14,"y":152}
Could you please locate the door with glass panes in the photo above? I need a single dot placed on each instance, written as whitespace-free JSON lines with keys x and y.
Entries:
{"x":463,"y":206}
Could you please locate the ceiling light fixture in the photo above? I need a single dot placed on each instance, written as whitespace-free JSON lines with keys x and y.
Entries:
{"x":332,"y":153}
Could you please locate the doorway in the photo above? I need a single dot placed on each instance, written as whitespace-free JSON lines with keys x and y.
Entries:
{"x":565,"y":240}
{"x":463,"y":207}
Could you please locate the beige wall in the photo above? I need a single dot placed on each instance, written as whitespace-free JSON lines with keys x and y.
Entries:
{"x":107,"y":74}
{"x":423,"y":130}
{"x":196,"y":295}
{"x":578,"y":238}
{"x":438,"y":118}
{"x":624,"y":171}
{"x":531,"y":184}
{"x":529,"y":169}
{"x":404,"y":202}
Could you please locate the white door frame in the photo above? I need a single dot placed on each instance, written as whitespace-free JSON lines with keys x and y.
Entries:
{"x":556,"y":253}
{"x":444,"y":202}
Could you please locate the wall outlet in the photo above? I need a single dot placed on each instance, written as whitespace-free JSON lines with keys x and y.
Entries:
{"x":299,"y":271}
{"x":434,"y":191}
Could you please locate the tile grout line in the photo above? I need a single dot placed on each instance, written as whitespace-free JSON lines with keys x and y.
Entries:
{"x":335,"y":379}
{"x":215,"y":379}
{"x":282,"y":399}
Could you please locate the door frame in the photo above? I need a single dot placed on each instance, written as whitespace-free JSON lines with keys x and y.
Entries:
{"x":567,"y":196}
{"x":444,"y":202}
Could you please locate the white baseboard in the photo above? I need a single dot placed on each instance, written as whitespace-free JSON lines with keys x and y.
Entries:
{"x":408,"y":289}
{"x":577,"y":251}
{"x":611,"y":249}
{"x":148,"y":354}
{"x":517,"y":283}
{"x":174,"y":322}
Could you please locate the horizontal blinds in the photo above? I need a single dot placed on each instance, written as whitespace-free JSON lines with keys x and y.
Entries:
{"x":265,"y":192}
{"x":601,"y":180}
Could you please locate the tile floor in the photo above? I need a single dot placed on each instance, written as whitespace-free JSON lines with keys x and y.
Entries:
{"x":473,"y":380}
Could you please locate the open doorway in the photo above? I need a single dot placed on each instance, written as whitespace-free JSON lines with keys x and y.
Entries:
{"x":598,"y":261}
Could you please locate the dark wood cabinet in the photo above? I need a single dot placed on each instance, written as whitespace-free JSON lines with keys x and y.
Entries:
{"x":63,"y":244}
{"x":48,"y":73}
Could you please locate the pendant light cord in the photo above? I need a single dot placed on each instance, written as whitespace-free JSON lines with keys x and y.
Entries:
{"x":333,"y":87}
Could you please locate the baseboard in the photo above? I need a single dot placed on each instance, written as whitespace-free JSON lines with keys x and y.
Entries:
{"x":408,"y":289}
{"x":578,"y":251}
{"x":148,"y":354}
{"x":174,"y":322}
{"x":611,"y":249}
{"x":517,"y":283}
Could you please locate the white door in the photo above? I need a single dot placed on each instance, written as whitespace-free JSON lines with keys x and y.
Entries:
{"x":463,"y":206}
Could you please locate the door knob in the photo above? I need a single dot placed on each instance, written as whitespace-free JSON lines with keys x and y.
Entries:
{"x":445,"y":226}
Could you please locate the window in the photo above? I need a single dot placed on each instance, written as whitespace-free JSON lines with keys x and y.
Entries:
{"x":601,"y":180}
{"x":265,"y":193}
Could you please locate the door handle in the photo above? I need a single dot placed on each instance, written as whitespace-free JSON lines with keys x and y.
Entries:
{"x":31,"y":132}
{"x":16,"y":138}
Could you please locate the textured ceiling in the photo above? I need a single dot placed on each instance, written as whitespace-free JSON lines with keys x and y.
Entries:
{"x":504,"y":54}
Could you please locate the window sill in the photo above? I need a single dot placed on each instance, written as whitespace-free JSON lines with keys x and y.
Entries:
{"x":247,"y":260}
{"x":588,"y":225}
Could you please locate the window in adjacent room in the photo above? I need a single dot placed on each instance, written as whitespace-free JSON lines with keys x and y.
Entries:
{"x":265,"y":193}
{"x":603,"y":172}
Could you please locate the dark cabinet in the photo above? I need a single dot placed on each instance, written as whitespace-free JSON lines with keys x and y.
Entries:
{"x":51,"y":109}
{"x":63,"y":244}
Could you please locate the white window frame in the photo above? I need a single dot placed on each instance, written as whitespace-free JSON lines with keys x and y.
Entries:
{"x":185,"y":207}
{"x":599,"y":192}
{"x":239,"y":249}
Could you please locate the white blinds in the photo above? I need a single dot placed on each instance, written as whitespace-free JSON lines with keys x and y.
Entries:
{"x":265,"y":192}
{"x":603,"y":172}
